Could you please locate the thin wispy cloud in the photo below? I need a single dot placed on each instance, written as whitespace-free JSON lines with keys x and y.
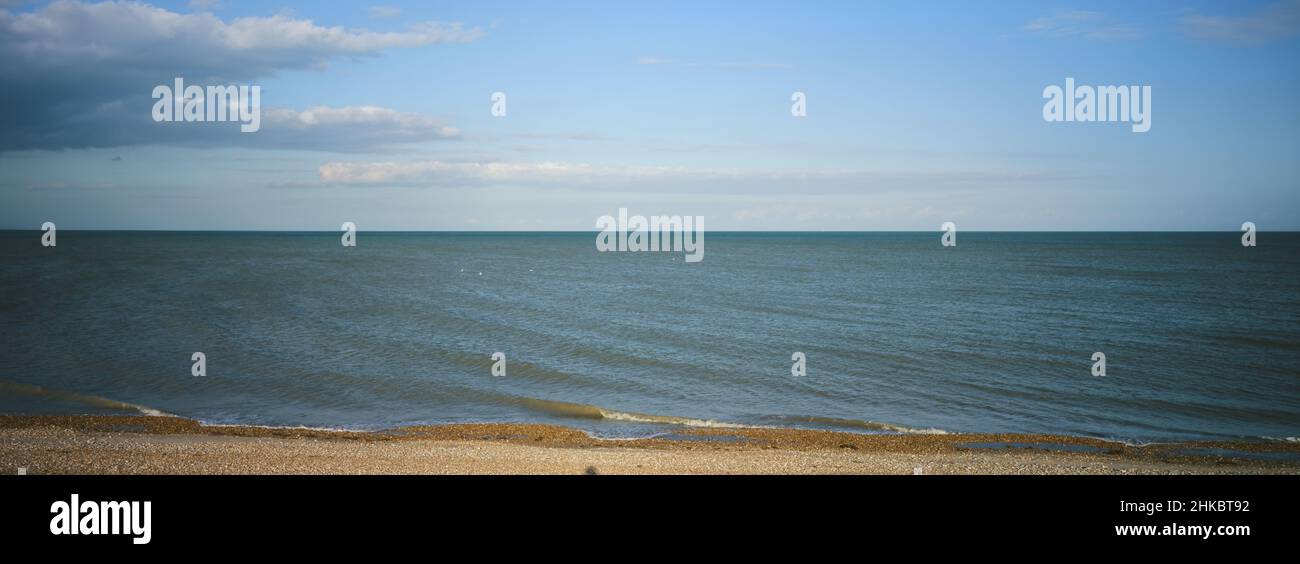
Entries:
{"x":652,"y":61}
{"x":755,"y":66}
{"x":1272,"y":22}
{"x":1080,"y":23}
{"x":385,"y":12}
{"x":569,"y":175}
{"x":204,"y":5}
{"x":325,"y":116}
{"x":564,"y":136}
{"x":437,"y":171}
{"x":346,"y":129}
{"x":662,"y":62}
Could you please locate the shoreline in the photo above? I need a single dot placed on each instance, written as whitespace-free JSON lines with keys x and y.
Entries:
{"x":140,"y":444}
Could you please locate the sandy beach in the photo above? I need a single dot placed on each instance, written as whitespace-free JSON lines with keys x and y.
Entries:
{"x":170,"y":445}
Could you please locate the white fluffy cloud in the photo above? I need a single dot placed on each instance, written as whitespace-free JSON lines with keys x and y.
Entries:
{"x":324,"y":116}
{"x":349,"y":128}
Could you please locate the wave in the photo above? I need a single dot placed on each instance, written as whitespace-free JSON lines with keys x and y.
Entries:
{"x":284,"y":427}
{"x":550,"y":407}
{"x":860,"y":424}
{"x":15,"y":388}
{"x":585,"y":411}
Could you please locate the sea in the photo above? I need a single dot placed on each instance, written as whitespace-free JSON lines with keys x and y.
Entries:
{"x":897,"y":333}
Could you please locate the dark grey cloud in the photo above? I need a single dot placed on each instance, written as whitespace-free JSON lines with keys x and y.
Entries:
{"x":79,"y":75}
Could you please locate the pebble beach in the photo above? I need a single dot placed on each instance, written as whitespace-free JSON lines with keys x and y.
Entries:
{"x":173,"y":445}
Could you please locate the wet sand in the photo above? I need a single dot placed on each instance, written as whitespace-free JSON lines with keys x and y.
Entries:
{"x":172,"y":445}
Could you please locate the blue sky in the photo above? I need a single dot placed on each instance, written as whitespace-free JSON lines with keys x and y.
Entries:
{"x":918,"y":113}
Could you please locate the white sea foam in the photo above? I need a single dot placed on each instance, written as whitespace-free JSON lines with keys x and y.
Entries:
{"x":685,"y":421}
{"x":284,"y":427}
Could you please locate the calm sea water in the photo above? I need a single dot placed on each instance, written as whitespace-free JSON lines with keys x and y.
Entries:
{"x":1201,"y":335}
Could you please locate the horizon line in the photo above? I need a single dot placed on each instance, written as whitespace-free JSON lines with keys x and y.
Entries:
{"x":594,"y":231}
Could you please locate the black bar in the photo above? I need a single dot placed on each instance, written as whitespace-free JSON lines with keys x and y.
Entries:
{"x":233,"y":513}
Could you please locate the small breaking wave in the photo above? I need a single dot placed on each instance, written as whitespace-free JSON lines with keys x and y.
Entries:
{"x":860,"y":424}
{"x":15,"y":388}
{"x":283,"y":427}
{"x":585,"y":411}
